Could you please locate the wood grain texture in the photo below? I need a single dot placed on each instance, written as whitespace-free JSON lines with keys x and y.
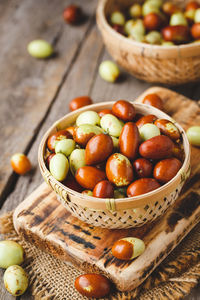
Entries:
{"x":91,"y":49}
{"x":34,"y":83}
{"x":43,"y":221}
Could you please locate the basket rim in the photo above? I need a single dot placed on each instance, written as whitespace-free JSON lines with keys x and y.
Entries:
{"x":115,"y":204}
{"x":159,"y":51}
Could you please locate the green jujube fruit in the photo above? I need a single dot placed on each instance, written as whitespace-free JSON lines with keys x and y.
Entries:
{"x":40,"y":49}
{"x":137,"y":31}
{"x":15,"y":280}
{"x":59,"y":166}
{"x":88,"y":117}
{"x":65,"y":146}
{"x":77,"y":160}
{"x":148,"y":130}
{"x":149,"y":7}
{"x":111,"y":125}
{"x":193,"y":134}
{"x":117,"y":18}
{"x":128,"y":25}
{"x":189,"y":14}
{"x":109,"y":71}
{"x":11,"y":253}
{"x":135,"y":10}
{"x":178,"y":19}
{"x":197,"y":16}
{"x":153,"y":37}
{"x":156,"y":3}
{"x":88,"y":128}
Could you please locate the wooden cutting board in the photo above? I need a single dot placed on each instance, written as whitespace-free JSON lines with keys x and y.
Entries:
{"x":43,"y":221}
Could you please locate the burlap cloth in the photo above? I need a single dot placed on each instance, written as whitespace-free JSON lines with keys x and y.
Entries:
{"x":51,"y":278}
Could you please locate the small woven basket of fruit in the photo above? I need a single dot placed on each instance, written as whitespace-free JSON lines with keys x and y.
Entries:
{"x":154,"y":40}
{"x":116,"y":164}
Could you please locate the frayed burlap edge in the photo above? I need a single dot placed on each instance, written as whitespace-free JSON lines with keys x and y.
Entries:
{"x":51,"y":278}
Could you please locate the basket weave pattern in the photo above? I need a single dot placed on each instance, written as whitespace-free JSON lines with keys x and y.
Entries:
{"x":152,"y":63}
{"x":116,"y":213}
{"x":125,"y":218}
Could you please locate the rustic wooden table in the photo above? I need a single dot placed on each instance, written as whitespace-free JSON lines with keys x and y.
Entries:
{"x":35,"y":93}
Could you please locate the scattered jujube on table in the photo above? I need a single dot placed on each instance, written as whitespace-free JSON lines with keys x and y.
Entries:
{"x":20,"y":163}
{"x":93,"y":285}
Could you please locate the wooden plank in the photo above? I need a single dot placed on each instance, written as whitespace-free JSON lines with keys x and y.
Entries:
{"x":41,"y":220}
{"x":77,"y":83}
{"x":29,"y":86}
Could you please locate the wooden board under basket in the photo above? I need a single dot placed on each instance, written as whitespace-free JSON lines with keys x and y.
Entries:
{"x":41,"y":219}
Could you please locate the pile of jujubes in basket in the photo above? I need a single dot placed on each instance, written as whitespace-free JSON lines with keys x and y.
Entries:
{"x":158,"y":22}
{"x":116,"y":153}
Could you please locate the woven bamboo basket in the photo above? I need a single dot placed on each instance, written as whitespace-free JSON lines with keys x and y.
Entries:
{"x":153,"y":63}
{"x":116,"y":213}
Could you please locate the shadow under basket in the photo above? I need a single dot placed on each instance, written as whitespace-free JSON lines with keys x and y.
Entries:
{"x":153,"y":63}
{"x":116,"y":213}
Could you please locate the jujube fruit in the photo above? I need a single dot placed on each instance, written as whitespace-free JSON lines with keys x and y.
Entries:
{"x":93,"y":285}
{"x":15,"y":280}
{"x":158,"y":147}
{"x":119,"y":170}
{"x":166,"y":169}
{"x":142,"y":186}
{"x":20,"y":163}
{"x":168,"y":128}
{"x":98,"y":149}
{"x":192,"y":5}
{"x":145,"y":119}
{"x":129,"y":140}
{"x":84,"y":132}
{"x":124,"y":110}
{"x":103,"y":189}
{"x":105,"y":112}
{"x":195,"y":31}
{"x":79,"y":102}
{"x":152,"y":21}
{"x":57,"y":136}
{"x":89,"y":176}
{"x":176,"y":34}
{"x":153,"y":100}
{"x":128,"y":248}
{"x":11,"y":253}
{"x":72,"y":14}
{"x":143,"y":167}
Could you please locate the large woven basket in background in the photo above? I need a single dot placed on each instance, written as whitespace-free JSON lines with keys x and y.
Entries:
{"x":153,"y":63}
{"x":116,"y":213}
